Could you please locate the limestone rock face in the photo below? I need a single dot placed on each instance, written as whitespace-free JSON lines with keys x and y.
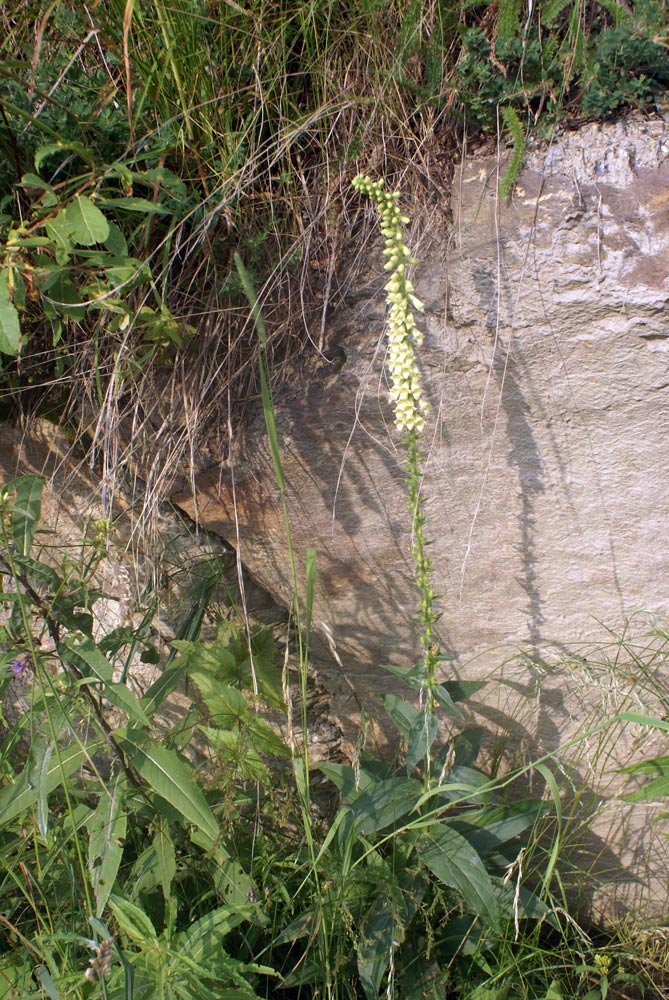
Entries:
{"x":546,"y":362}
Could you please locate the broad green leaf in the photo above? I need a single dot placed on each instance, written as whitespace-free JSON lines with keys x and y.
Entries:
{"x":49,"y":148}
{"x":32,"y":180}
{"x":658,"y":788}
{"x":521,"y":903}
{"x":163,"y":686}
{"x":265,"y":739}
{"x":490,"y":993}
{"x":654,"y":766}
{"x":48,"y":277}
{"x":91,"y":661}
{"x":59,"y":229}
{"x":64,"y":298}
{"x":657,"y":770}
{"x":462,"y":690}
{"x":498,"y":824}
{"x":385,"y":803}
{"x":404,"y":715}
{"x":106,"y":833}
{"x":226,"y":704}
{"x":377,"y":937}
{"x":121,"y":277}
{"x":27,"y":242}
{"x":116,"y":241}
{"x":167,"y":180}
{"x":89,"y":226}
{"x":209,"y":659}
{"x":422,"y":979}
{"x":10,"y":328}
{"x":421,"y":736}
{"x":202,"y":941}
{"x":443,"y":697}
{"x":412,"y":676}
{"x":132,"y":920}
{"x":348,"y":780}
{"x":21,"y":795}
{"x":19,"y":291}
{"x":384,"y":927}
{"x":304,"y":925}
{"x":38,"y":573}
{"x":455,"y":862}
{"x":231,"y":994}
{"x":230,"y":879}
{"x":172,"y":779}
{"x":467,"y":745}
{"x":25,"y":510}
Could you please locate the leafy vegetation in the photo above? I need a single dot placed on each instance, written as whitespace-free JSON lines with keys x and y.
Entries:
{"x":194,"y":863}
{"x":159,"y":163}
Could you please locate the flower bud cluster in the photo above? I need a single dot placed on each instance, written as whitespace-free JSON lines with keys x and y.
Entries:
{"x":406,"y":390}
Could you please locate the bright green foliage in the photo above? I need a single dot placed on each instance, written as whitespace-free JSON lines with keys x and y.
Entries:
{"x":93,"y":813}
{"x":215,"y":882}
{"x":155,"y":159}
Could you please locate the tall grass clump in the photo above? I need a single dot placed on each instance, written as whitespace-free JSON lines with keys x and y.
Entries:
{"x":142,"y":146}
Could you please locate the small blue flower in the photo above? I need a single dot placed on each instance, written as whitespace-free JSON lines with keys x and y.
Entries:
{"x":21,"y":668}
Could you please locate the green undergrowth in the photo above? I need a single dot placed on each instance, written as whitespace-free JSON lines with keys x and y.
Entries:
{"x":195,"y":861}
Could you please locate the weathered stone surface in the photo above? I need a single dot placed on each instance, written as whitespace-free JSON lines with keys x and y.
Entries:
{"x":546,"y":362}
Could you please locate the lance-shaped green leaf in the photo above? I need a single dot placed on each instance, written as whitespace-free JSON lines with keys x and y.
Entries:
{"x":132,"y":920}
{"x":384,"y":804}
{"x":454,"y":861}
{"x":25,"y":510}
{"x":171,"y":778}
{"x":656,"y":771}
{"x":166,"y":862}
{"x":384,"y":925}
{"x":106,"y":832}
{"x":202,"y":941}
{"x":22,"y":794}
{"x":46,"y":982}
{"x":10,"y":328}
{"x":86,"y":656}
{"x":422,"y":735}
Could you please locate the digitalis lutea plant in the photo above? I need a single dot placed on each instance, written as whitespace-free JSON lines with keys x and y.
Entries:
{"x":410,"y":408}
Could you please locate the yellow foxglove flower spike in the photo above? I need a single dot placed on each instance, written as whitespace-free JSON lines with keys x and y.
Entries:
{"x":406,"y":391}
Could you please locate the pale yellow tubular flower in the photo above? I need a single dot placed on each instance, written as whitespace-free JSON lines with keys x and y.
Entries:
{"x":406,"y":391}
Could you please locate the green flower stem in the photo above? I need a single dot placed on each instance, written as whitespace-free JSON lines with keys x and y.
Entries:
{"x":427,"y":617}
